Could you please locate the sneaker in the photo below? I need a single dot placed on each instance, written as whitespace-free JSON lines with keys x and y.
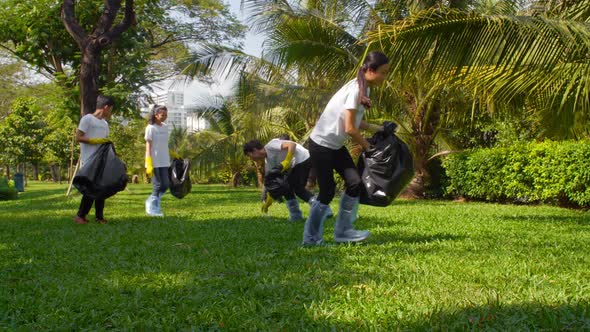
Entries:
{"x":313,"y":244}
{"x":101,"y":221}
{"x":155,"y":214}
{"x":80,"y":221}
{"x":351,"y":235}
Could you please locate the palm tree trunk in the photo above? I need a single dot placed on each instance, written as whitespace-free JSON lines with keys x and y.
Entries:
{"x":235,"y":181}
{"x":424,"y":125}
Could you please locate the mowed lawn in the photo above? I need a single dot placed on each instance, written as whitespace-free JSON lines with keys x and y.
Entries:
{"x":214,"y":263}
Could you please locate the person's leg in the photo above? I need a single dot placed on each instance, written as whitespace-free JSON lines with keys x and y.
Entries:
{"x":348,"y":209}
{"x":322,"y":160}
{"x":85,"y":206}
{"x":298,"y":179}
{"x":151,"y":203}
{"x":164,"y":178}
{"x":99,"y":211}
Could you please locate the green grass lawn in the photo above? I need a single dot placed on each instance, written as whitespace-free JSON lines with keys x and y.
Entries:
{"x":214,"y":263}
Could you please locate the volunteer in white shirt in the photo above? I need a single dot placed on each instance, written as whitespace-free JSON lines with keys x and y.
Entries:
{"x":157,"y":158}
{"x":93,"y":131}
{"x":287,"y":156}
{"x":342,"y":118}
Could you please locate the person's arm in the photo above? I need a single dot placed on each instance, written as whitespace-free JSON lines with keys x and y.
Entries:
{"x":82,"y":138}
{"x":149,"y":166}
{"x":290,"y":147}
{"x":354,"y":133}
{"x":370,"y":127}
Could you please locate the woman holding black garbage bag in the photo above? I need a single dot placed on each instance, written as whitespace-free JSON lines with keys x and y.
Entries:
{"x":157,"y":158}
{"x":342,"y":118}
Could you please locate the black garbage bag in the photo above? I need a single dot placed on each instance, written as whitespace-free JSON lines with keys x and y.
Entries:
{"x":385,"y":170}
{"x":276,"y":183}
{"x":180,"y":180}
{"x":102,"y":175}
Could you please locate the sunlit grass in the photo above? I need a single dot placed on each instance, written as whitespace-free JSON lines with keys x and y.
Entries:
{"x":215,"y":263}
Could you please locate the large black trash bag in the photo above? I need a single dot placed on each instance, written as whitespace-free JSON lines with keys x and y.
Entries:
{"x":180,"y":180}
{"x":385,"y":170}
{"x":102,"y":175}
{"x":276,"y":183}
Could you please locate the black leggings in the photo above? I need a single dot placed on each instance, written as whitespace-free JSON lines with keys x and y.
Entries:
{"x":297,"y":180}
{"x":86,"y":205}
{"x":325,"y":161}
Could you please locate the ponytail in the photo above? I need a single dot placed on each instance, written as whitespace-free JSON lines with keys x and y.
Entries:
{"x":373,"y":61}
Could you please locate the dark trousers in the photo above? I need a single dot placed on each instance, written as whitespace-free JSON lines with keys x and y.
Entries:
{"x":297,"y":180}
{"x":325,"y":161}
{"x":86,"y":205}
{"x":160,"y":180}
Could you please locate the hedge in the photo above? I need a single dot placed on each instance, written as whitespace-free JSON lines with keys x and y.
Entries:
{"x":552,"y":172}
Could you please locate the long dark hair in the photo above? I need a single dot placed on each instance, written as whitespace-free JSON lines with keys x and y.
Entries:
{"x":155,"y":110}
{"x":374,"y":60}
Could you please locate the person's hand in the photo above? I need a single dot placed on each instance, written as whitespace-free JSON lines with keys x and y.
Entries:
{"x":149,"y":167}
{"x":96,"y":141}
{"x":389,"y":127}
{"x":175,"y":155}
{"x":286,"y":164}
{"x":266,"y":204}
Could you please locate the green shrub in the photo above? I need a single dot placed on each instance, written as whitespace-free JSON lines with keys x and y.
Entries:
{"x":553,"y":172}
{"x":7,"y":192}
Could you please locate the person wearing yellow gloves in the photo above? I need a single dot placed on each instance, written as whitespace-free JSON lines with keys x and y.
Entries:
{"x":289,"y":157}
{"x":93,"y":131}
{"x":157,"y":158}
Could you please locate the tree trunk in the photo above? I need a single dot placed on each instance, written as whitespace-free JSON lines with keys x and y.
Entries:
{"x":24,"y":165}
{"x":91,"y":45}
{"x":8,"y":172}
{"x":235,"y":181}
{"x":35,"y":172}
{"x":260,"y":174}
{"x":424,"y":125}
{"x":89,"y":72}
{"x":54,"y":172}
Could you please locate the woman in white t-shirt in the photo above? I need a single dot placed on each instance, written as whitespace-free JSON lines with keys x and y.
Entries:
{"x":342,"y":118}
{"x":157,"y":158}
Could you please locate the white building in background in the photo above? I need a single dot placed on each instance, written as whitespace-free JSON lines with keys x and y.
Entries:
{"x":179,"y":114}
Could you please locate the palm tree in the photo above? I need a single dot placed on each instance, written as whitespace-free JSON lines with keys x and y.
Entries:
{"x":315,"y":46}
{"x":537,"y":59}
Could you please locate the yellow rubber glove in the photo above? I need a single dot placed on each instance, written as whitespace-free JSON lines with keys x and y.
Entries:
{"x":149,"y":167}
{"x":266,"y":204}
{"x":96,"y":141}
{"x":287,"y":162}
{"x":174,"y":155}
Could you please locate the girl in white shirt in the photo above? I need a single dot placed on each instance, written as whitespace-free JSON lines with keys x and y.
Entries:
{"x":157,"y":158}
{"x":342,"y":118}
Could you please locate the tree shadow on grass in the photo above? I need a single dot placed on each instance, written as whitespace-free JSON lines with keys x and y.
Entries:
{"x":200,"y":272}
{"x":508,"y":317}
{"x":580,"y":219}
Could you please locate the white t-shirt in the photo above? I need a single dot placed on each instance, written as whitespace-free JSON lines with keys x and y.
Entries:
{"x":92,"y":127}
{"x":274,"y":154}
{"x":330,"y":131}
{"x":159,"y":135}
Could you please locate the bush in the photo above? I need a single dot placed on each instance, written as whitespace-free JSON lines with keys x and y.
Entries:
{"x":553,"y":172}
{"x":7,"y":192}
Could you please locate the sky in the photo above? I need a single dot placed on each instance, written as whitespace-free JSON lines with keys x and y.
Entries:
{"x":197,"y":92}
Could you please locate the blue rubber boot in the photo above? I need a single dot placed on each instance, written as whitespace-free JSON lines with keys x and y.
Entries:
{"x":313,"y":231}
{"x":343,"y":231}
{"x":294,"y":211}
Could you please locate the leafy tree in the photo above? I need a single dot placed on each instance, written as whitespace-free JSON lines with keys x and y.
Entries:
{"x":32,"y":31}
{"x":128,"y":138}
{"x":24,"y":131}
